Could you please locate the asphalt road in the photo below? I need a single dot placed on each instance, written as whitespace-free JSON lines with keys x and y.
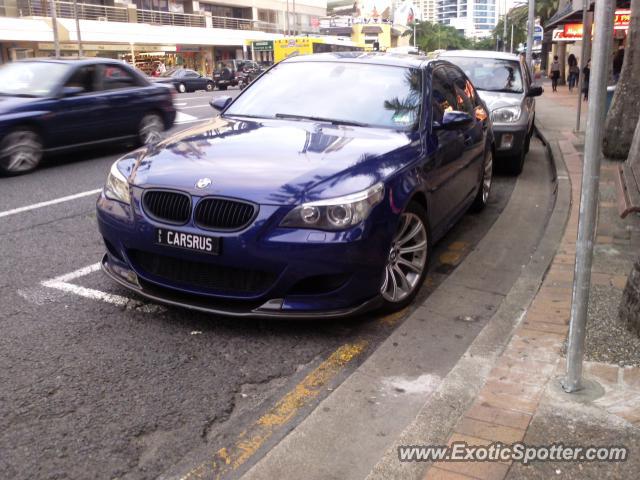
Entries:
{"x":94,"y":387}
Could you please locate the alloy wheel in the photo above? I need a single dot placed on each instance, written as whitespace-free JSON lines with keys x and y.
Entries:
{"x":151,"y":129}
{"x":407,"y":259}
{"x":182,"y":88}
{"x":21,"y":151}
{"x":209,"y":87}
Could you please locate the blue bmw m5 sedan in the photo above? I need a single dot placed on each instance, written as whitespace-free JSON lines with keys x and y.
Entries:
{"x":318,"y":192}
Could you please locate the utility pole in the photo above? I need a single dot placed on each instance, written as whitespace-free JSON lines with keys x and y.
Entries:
{"x":504,"y":29}
{"x":530,"y":27}
{"x":604,"y":11}
{"x":75,"y":14}
{"x":295,"y":19}
{"x":584,"y":48}
{"x":54,"y":23}
{"x":511,"y":49}
{"x":287,"y":21}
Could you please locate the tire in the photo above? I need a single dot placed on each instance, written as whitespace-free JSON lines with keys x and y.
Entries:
{"x":209,"y":87}
{"x":482,"y":197}
{"x":150,"y":129}
{"x":401,"y":282}
{"x":20,"y":151}
{"x":182,"y":88}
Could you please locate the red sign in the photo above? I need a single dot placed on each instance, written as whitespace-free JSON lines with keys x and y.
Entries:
{"x":622,"y":19}
{"x":573,"y":30}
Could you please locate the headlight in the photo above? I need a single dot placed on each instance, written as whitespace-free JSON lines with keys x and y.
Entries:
{"x":506,"y":115}
{"x":117,"y":187}
{"x":335,"y":213}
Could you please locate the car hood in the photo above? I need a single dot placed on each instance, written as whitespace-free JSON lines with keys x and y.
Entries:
{"x":500,"y":99}
{"x":276,"y":162}
{"x":10,"y":103}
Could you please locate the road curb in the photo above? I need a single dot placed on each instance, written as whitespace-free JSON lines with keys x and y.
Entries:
{"x":459,"y":388}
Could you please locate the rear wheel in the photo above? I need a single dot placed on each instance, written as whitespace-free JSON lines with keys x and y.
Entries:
{"x":482,"y":197}
{"x":20,"y":152}
{"x":182,"y":88}
{"x":151,"y":128}
{"x":408,"y":259}
{"x":209,"y":86}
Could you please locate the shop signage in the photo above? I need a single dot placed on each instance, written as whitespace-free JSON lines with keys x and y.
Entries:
{"x":622,"y":19}
{"x":187,"y":48}
{"x":90,"y":47}
{"x":574,"y":31}
{"x":263,"y":46}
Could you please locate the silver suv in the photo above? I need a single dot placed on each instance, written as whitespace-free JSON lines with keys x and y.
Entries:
{"x":504,"y":83}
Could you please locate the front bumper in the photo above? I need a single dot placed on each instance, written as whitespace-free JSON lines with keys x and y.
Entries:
{"x":510,"y":139}
{"x":291,"y":257}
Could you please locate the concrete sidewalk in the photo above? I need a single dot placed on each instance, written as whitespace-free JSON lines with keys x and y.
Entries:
{"x":521,"y":399}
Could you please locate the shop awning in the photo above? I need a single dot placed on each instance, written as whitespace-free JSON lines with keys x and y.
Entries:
{"x":371,"y":29}
{"x":341,"y":31}
{"x":24,"y":29}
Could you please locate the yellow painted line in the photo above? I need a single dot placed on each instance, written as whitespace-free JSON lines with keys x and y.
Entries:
{"x":450,"y":258}
{"x":226,"y":460}
{"x":394,"y":317}
{"x":458,"y":246}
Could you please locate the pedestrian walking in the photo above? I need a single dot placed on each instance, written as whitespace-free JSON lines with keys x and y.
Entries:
{"x":555,"y":73}
{"x":618,"y":60}
{"x":574,"y":71}
{"x":586,"y":71}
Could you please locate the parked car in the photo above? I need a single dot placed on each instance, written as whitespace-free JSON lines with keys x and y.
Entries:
{"x":318,"y":192}
{"x":49,"y":105}
{"x":504,"y":82}
{"x":230,"y":73}
{"x":185,"y":80}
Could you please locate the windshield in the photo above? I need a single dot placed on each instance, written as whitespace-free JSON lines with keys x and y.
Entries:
{"x":491,"y":74}
{"x":170,"y":73}
{"x":31,"y":79}
{"x":341,"y":92}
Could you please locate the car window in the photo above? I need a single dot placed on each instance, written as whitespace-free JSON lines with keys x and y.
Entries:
{"x":443,"y":98}
{"x":374,"y":95}
{"x":491,"y":74}
{"x":84,"y":77}
{"x":464,"y":99}
{"x":191,"y":73}
{"x":32,"y":79}
{"x":114,"y":77}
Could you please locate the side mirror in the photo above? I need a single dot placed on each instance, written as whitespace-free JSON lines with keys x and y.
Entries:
{"x":220,"y":103}
{"x":535,"y":91}
{"x":454,"y":119}
{"x":71,"y":91}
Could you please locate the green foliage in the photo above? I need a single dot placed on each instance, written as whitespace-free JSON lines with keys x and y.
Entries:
{"x":434,"y":36}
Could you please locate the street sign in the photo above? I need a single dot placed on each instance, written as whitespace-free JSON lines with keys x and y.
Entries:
{"x":263,"y":46}
{"x":538,"y":33}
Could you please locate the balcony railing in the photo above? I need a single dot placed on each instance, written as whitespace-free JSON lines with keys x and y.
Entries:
{"x":232,"y":23}
{"x":30,"y":8}
{"x":169,"y":18}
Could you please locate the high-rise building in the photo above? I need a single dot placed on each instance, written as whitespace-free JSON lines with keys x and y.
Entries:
{"x":425,"y":8}
{"x":474,"y":18}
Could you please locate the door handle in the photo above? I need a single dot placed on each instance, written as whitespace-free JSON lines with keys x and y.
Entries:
{"x":468,"y":141}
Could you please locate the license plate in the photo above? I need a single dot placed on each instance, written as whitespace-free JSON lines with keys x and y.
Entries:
{"x":188,"y":241}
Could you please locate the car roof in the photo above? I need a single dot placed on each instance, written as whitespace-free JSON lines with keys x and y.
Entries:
{"x":72,"y":60}
{"x":372,"y":58}
{"x":479,"y":54}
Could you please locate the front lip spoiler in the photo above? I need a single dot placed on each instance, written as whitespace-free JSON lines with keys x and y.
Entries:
{"x":254,"y":313}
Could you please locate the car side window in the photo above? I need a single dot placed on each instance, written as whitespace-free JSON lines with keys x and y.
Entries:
{"x":464,"y":98}
{"x":191,"y":73}
{"x":84,"y":77}
{"x":114,"y":77}
{"x":443,"y":98}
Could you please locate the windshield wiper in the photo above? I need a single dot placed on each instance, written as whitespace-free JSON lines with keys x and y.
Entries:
{"x":332,"y":121}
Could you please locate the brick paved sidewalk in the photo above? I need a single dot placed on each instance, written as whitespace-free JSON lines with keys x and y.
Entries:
{"x":520,"y":400}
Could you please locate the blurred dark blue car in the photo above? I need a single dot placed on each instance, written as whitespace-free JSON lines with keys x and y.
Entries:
{"x":49,"y":105}
{"x":318,"y":192}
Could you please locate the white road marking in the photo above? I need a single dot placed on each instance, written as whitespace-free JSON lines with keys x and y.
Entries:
{"x":186,"y":118}
{"x":181,"y":104}
{"x":197,"y":106}
{"x":34,"y":206}
{"x":62,"y":283}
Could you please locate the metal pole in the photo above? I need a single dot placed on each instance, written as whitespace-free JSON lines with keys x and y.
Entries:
{"x":586,"y":39}
{"x":133,"y":55}
{"x":75,"y":13}
{"x":604,"y":11}
{"x":414,"y":34}
{"x":287,"y":22}
{"x":295,"y":19}
{"x":54,"y":24}
{"x":530,"y":27}
{"x":511,"y":50}
{"x":504,"y":30}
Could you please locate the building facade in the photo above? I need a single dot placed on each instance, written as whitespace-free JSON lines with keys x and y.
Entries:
{"x":474,"y":18}
{"x":192,"y":33}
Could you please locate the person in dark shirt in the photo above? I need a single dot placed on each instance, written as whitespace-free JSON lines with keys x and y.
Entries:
{"x":618,"y":60}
